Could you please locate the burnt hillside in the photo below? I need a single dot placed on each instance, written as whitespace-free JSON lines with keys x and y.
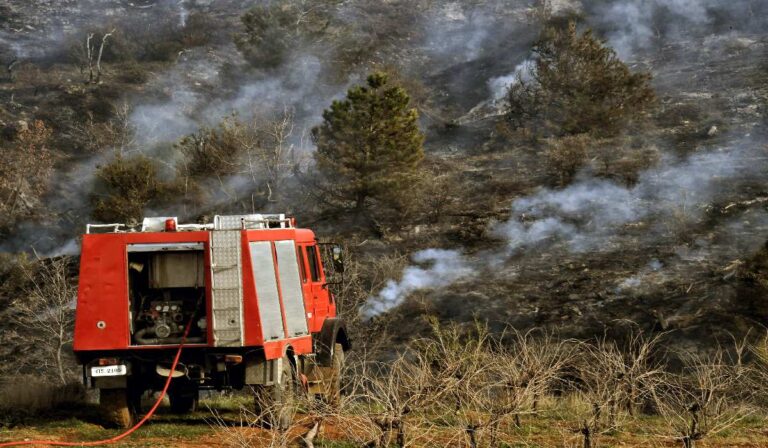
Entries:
{"x":676,"y":242}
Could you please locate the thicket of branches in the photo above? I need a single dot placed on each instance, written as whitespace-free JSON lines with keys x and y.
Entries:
{"x":466,"y":387}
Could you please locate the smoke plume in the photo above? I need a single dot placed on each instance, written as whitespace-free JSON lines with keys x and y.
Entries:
{"x":434,"y":268}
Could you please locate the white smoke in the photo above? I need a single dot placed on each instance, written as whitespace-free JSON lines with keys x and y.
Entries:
{"x":457,"y":32}
{"x":183,"y":14}
{"x":633,"y":25}
{"x":652,"y":269}
{"x":435,"y":268}
{"x":198,"y":95}
{"x":185,"y":87}
{"x":501,"y":84}
{"x":588,"y":214}
{"x":578,"y":214}
{"x":591,"y":215}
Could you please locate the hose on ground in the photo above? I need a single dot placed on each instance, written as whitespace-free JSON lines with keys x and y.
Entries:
{"x":130,"y":430}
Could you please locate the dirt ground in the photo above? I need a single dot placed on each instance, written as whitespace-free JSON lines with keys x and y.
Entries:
{"x":228,"y":425}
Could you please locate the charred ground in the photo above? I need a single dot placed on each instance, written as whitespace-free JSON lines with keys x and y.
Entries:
{"x":693,"y":266}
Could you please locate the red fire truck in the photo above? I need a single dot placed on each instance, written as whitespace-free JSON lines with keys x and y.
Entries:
{"x":250,"y":292}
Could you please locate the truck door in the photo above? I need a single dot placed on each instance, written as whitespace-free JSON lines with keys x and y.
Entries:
{"x":306,"y":286}
{"x":317,"y":282}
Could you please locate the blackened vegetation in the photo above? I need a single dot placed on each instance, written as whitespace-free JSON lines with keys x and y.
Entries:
{"x":419,"y":155}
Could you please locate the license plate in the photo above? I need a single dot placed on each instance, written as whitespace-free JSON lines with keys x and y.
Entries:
{"x":109,"y":370}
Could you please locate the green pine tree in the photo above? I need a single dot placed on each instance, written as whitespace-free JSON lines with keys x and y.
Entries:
{"x":369,"y":147}
{"x":578,"y":86}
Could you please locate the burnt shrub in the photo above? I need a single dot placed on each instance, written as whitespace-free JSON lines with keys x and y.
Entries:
{"x":131,"y":73}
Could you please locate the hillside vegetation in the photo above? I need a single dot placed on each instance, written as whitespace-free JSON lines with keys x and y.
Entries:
{"x":593,"y":172}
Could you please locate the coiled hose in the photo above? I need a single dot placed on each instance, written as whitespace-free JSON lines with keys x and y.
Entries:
{"x":130,"y":430}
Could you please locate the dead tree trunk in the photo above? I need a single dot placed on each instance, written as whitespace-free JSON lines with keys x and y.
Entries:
{"x":89,"y":56}
{"x":94,"y":67}
{"x":101,"y":52}
{"x":9,"y":69}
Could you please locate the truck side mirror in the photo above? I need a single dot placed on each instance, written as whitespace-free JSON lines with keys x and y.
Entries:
{"x":337,"y":257}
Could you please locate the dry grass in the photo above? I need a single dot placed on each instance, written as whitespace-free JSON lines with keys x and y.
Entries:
{"x":30,"y":394}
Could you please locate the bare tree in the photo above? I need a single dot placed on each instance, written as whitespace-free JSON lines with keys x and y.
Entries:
{"x":47,"y":312}
{"x":396,"y":391}
{"x":91,"y":53}
{"x":707,"y":398}
{"x":117,"y":133}
{"x":25,"y":168}
{"x":610,"y":381}
{"x":271,"y":157}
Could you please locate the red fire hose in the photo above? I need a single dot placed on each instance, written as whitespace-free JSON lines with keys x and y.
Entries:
{"x":129,"y":431}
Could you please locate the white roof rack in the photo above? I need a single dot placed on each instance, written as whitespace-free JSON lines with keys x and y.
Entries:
{"x":220,"y":222}
{"x":255,"y":221}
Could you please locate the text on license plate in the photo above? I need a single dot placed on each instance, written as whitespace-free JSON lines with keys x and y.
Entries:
{"x":109,"y":370}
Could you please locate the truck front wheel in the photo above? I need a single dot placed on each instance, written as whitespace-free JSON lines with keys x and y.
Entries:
{"x":114,"y":407}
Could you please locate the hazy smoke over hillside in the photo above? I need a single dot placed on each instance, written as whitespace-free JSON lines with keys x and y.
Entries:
{"x":199,"y":95}
{"x":591,"y":215}
{"x":632,"y":25}
{"x":466,"y":52}
{"x":587,"y":214}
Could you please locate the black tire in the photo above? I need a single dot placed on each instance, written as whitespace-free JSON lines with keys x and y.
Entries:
{"x":183,"y":402}
{"x":115,"y":407}
{"x":274,"y":404}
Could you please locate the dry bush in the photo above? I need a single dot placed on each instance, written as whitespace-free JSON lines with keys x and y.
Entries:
{"x":363,"y":278}
{"x":565,"y":156}
{"x":437,"y":194}
{"x":623,"y":158}
{"x":258,"y":152}
{"x":26,"y":164}
{"x":213,"y":152}
{"x":613,"y":380}
{"x":396,"y":395}
{"x":463,"y":387}
{"x":272,"y":31}
{"x":115,"y":133}
{"x":131,"y":73}
{"x":620,"y":158}
{"x":125,"y":187}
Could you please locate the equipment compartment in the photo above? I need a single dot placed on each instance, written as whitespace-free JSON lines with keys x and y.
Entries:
{"x":166,"y":288}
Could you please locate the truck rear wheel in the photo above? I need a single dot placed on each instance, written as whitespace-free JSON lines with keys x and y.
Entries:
{"x":274,"y":404}
{"x":114,"y":407}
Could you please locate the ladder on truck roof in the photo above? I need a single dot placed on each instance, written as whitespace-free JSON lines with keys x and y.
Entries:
{"x":226,"y":288}
{"x":226,"y":275}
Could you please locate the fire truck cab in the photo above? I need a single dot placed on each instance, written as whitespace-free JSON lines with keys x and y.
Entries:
{"x":250,"y":292}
